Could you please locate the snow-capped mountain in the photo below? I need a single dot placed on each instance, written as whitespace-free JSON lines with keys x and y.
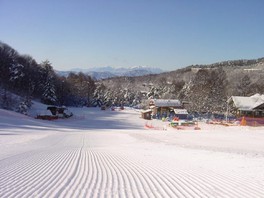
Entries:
{"x":108,"y":71}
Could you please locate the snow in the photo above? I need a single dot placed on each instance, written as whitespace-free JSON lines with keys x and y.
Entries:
{"x":248,"y":103}
{"x":166,"y":103}
{"x":181,"y":111}
{"x":110,"y":154}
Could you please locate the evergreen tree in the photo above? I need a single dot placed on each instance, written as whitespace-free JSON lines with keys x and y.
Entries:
{"x":49,"y":89}
{"x":99,"y":97}
{"x":8,"y":58}
{"x":49,"y":95}
{"x":28,"y":78}
{"x":24,"y":105}
{"x":16,"y":73}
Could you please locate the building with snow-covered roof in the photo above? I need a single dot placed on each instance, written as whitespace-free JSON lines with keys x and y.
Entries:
{"x":165,"y":103}
{"x":247,"y":106}
{"x":181,"y":113}
{"x":146,"y":114}
{"x":164,"y":107}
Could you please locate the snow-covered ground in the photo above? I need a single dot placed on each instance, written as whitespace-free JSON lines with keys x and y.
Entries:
{"x":110,"y":154}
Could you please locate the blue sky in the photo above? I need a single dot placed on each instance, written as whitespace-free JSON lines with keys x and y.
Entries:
{"x":168,"y":34}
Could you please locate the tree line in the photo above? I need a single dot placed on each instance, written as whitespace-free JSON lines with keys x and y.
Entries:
{"x":205,"y":89}
{"x":23,"y":76}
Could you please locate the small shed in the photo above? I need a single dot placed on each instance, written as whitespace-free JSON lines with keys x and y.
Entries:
{"x":53,"y":109}
{"x":181,"y":113}
{"x":62,"y":112}
{"x":47,"y":115}
{"x":146,"y":114}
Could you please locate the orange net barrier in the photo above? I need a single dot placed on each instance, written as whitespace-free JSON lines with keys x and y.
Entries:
{"x":248,"y":121}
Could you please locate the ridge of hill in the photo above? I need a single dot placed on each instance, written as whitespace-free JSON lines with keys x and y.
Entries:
{"x":99,"y":73}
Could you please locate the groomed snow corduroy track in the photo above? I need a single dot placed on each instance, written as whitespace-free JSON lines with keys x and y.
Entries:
{"x":77,"y":166}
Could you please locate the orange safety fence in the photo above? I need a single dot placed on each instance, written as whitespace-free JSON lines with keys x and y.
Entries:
{"x":150,"y":126}
{"x":249,"y":121}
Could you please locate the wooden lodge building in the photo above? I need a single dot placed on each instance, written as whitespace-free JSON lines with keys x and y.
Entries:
{"x":164,"y":107}
{"x":252,"y":106}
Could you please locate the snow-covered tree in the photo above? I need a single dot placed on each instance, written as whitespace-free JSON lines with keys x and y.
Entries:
{"x":82,"y":86}
{"x":208,"y":91}
{"x":49,"y":89}
{"x":243,"y":86}
{"x":199,"y":91}
{"x":24,"y":105}
{"x":218,"y":94}
{"x":7,"y":60}
{"x":49,"y":94}
{"x":31,"y":79}
{"x":99,"y":97}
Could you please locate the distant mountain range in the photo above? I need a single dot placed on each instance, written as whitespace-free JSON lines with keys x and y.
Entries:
{"x":108,"y":72}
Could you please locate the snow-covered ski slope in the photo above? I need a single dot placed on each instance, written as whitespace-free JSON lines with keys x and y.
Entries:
{"x":110,"y":154}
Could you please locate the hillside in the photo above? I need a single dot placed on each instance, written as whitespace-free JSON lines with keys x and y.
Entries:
{"x":206,"y":87}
